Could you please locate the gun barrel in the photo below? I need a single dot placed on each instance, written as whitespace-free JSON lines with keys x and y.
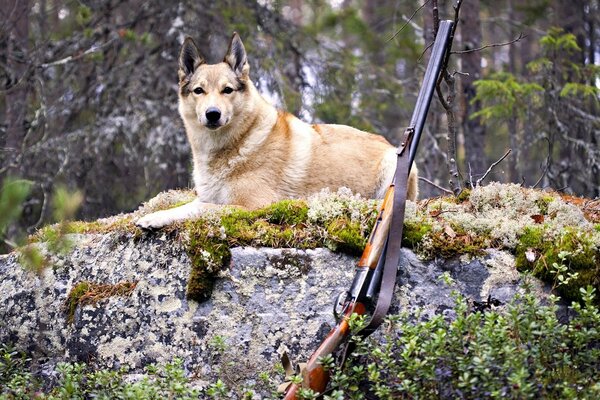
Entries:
{"x":429,"y":82}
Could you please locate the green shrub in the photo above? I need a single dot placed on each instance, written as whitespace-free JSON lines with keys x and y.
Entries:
{"x":523,"y":352}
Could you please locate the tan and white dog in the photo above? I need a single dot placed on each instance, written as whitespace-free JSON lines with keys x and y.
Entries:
{"x":247,"y":153}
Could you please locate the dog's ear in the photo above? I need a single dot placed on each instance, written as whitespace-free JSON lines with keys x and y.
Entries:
{"x":236,"y":56}
{"x":189,"y":58}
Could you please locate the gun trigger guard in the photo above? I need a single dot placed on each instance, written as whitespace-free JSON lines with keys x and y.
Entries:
{"x":338,"y":306}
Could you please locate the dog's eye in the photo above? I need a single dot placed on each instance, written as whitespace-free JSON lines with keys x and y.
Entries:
{"x":227,"y":90}
{"x":198,"y":90}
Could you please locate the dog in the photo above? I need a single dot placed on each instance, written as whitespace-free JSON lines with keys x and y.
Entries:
{"x":247,"y":153}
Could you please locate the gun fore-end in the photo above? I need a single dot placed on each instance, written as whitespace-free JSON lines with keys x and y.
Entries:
{"x":377,"y":239}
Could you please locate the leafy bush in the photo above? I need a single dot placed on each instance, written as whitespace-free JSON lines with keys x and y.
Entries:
{"x":523,"y":352}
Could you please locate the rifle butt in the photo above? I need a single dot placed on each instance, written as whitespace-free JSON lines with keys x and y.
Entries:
{"x":314,"y":376}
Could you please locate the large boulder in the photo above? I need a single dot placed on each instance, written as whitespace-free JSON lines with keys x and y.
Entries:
{"x":230,"y":292}
{"x":265,"y":301}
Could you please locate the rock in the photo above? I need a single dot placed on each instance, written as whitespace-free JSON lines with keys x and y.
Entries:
{"x":267,"y":300}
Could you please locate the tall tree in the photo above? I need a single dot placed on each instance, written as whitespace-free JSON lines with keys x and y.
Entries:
{"x":15,"y":35}
{"x":473,"y":130}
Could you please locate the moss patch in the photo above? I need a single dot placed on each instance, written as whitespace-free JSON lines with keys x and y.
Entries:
{"x":285,"y":224}
{"x":50,"y":233}
{"x":572,"y":249}
{"x":414,"y":232}
{"x":86,"y":292}
{"x":209,"y":253}
{"x":509,"y":217}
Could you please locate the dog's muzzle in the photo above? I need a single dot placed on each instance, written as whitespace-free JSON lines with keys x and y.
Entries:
{"x":213,"y":116}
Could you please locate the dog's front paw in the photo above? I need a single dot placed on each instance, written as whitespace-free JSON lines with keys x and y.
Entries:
{"x":154,"y":221}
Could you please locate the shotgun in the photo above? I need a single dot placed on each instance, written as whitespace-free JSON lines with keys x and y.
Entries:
{"x":375,"y":276}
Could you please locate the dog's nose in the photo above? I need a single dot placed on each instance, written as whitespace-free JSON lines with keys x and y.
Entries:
{"x":213,"y":114}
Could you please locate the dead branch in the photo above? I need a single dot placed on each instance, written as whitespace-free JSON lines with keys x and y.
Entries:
{"x":75,"y":57}
{"x":436,"y":185}
{"x":408,"y":21}
{"x":545,"y":171}
{"x":521,"y":36}
{"x":492,"y":167}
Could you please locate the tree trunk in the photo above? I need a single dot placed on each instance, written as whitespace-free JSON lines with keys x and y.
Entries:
{"x":15,"y":14}
{"x":474,"y":132}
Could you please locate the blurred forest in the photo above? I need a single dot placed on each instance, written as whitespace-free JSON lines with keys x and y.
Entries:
{"x":88,"y":88}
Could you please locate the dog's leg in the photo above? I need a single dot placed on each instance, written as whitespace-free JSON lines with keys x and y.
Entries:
{"x":182,"y":213}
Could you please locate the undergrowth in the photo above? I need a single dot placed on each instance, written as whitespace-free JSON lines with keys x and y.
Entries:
{"x":522,"y":351}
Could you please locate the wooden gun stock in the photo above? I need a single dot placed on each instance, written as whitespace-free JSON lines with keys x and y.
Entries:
{"x":314,"y":375}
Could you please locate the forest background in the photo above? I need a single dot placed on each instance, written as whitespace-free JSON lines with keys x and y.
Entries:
{"x":88,"y":89}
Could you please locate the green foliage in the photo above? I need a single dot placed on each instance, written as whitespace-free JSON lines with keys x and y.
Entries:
{"x":523,"y":352}
{"x":581,"y":90}
{"x":65,"y":205}
{"x":558,"y":41}
{"x":15,"y":380}
{"x":77,"y":381}
{"x":361,"y":88}
{"x":12,"y":196}
{"x":84,"y":15}
{"x":503,"y":97}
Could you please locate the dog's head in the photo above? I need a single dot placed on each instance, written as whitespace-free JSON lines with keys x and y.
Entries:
{"x":212,"y":93}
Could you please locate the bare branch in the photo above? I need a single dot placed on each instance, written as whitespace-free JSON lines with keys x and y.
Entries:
{"x":408,"y":21}
{"x":492,"y":167}
{"x":436,"y":185}
{"x":521,"y":36}
{"x":68,"y":59}
{"x":448,"y":105}
{"x":471,"y":176}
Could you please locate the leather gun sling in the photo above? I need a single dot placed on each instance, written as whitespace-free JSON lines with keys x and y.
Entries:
{"x":406,"y":153}
{"x":394,"y":241}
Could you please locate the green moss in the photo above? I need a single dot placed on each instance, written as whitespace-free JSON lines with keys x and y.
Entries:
{"x":413,"y":233}
{"x":76,"y":293}
{"x":347,"y":235}
{"x":180,"y":203}
{"x":281,"y":224}
{"x":86,"y":292}
{"x":463,"y":196}
{"x":208,"y":254}
{"x":580,"y":256}
{"x":543,"y":203}
{"x":50,"y":233}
